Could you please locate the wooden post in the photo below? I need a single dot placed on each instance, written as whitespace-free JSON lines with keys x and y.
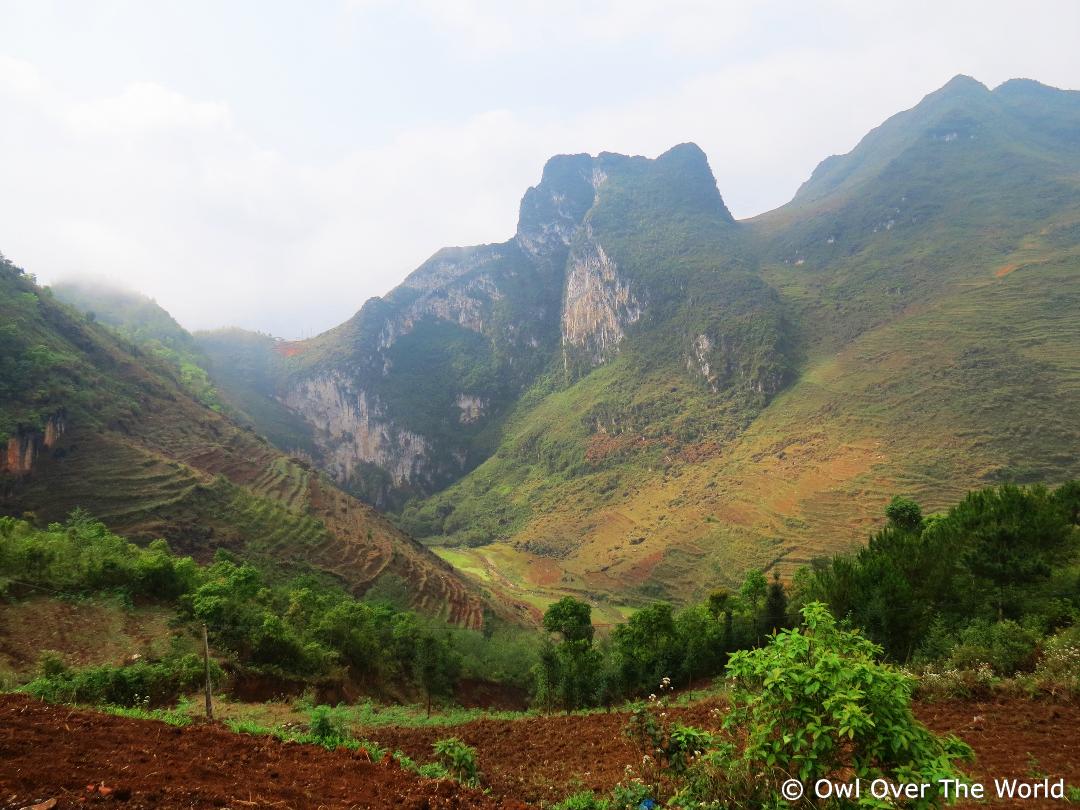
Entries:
{"x":206,"y":663}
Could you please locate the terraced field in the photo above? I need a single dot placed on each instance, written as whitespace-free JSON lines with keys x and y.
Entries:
{"x":138,"y":452}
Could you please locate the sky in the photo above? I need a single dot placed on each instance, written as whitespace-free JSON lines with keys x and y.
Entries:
{"x":273,"y":165}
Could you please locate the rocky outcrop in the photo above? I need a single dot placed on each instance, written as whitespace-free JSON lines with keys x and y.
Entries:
{"x":698,"y":361}
{"x":26,"y":445}
{"x":452,"y":286}
{"x":598,"y":304}
{"x":723,"y":362}
{"x":472,"y":408}
{"x":552,"y":211}
{"x":351,"y":431}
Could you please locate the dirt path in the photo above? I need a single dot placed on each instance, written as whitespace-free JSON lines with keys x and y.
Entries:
{"x":51,"y":752}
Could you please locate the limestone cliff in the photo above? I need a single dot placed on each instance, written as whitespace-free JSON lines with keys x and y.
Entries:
{"x":24,"y":447}
{"x":351,"y":431}
{"x":410,"y":393}
{"x":598,"y":304}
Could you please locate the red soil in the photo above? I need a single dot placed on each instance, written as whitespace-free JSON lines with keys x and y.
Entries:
{"x":53,"y":751}
{"x":286,"y":349}
{"x":1013,"y":738}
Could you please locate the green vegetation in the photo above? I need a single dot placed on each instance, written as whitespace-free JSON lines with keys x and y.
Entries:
{"x":300,"y":628}
{"x":458,"y":759}
{"x":922,"y":589}
{"x":905,"y":323}
{"x":980,"y":584}
{"x":142,"y":322}
{"x":814,"y":703}
{"x":139,"y":683}
{"x":82,"y":556}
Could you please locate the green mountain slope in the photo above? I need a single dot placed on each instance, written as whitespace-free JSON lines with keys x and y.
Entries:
{"x":683,"y":395}
{"x":94,"y":420}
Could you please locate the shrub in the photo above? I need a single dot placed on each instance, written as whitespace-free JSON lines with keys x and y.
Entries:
{"x":140,"y":683}
{"x":585,"y":800}
{"x":1059,"y":668}
{"x":816,"y":703}
{"x":1005,"y":646}
{"x":329,"y":727}
{"x":459,"y":760}
{"x":51,"y":665}
{"x":667,"y":749}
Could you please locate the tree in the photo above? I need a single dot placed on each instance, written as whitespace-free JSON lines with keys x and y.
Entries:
{"x":775,"y":606}
{"x":648,"y":647}
{"x":904,"y":514}
{"x":435,"y":666}
{"x":701,"y":638}
{"x":753,"y":592}
{"x":1012,"y":536}
{"x":571,"y":618}
{"x":1068,"y":496}
{"x":565,"y":670}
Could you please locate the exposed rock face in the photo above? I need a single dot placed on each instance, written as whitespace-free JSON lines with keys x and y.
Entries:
{"x":699,"y":359}
{"x":472,"y":408}
{"x":509,"y":293}
{"x":411,"y":382}
{"x":722,"y":362}
{"x":24,"y":447}
{"x":452,"y":287}
{"x":598,"y":304}
{"x":552,"y":211}
{"x":351,"y":431}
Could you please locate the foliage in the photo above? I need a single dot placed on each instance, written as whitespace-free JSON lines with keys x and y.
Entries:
{"x":458,"y":759}
{"x":178,"y":716}
{"x":304,"y":627}
{"x":904,"y":514}
{"x":667,"y":749}
{"x":583,"y":800}
{"x":141,"y":683}
{"x":83,"y":556}
{"x":815,"y":703}
{"x":1003,"y":563}
{"x":571,"y":618}
{"x":329,"y":726}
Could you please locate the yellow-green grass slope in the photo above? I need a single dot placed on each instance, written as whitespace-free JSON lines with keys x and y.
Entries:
{"x":930,"y":283}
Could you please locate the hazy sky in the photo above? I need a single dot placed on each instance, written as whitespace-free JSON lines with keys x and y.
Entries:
{"x":273,"y":165}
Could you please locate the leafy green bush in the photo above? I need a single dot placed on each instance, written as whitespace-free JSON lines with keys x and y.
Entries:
{"x":584,"y":800}
{"x":139,"y":683}
{"x":83,"y":556}
{"x":329,"y":726}
{"x":816,"y":703}
{"x":1005,"y":646}
{"x":459,"y":760}
{"x":1058,"y":671}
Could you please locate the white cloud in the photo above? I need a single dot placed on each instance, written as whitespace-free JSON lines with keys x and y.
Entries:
{"x":171,"y":192}
{"x":144,"y":108}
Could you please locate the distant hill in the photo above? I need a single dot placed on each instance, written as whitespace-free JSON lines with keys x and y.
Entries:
{"x":99,"y":419}
{"x":637,"y":396}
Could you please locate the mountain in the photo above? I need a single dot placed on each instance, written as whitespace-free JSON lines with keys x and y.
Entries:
{"x":637,"y":396}
{"x":91,"y":418}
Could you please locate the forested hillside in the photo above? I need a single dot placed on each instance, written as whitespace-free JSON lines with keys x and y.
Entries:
{"x":99,"y":420}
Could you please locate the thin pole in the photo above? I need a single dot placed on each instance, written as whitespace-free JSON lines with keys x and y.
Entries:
{"x":206,"y":663}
